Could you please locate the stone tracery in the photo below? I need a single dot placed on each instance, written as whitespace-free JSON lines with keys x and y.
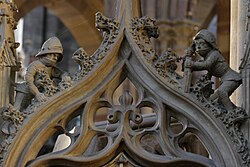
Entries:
{"x":128,"y":133}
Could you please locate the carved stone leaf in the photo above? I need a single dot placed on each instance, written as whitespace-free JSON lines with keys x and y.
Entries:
{"x":5,"y":128}
{"x":126,"y":99}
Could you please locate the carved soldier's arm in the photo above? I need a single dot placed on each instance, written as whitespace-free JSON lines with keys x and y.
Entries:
{"x":206,"y":64}
{"x":30,"y":77}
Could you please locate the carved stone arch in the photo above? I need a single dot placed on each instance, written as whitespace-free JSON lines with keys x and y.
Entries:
{"x":81,"y":27}
{"x":125,"y":63}
{"x":128,"y":135}
{"x":183,"y":107}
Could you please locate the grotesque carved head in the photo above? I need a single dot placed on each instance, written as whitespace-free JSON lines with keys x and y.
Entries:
{"x":80,"y":55}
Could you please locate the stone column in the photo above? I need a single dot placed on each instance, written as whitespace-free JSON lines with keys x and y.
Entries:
{"x":241,"y":57}
{"x":233,"y":37}
{"x":237,"y":40}
{"x":246,"y":89}
{"x":241,"y":42}
{"x":8,"y":57}
{"x":109,"y":8}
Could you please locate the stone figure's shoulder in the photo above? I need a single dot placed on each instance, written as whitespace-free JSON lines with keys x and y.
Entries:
{"x":215,"y":55}
{"x":35,"y":65}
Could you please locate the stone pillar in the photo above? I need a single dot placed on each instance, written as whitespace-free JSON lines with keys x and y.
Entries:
{"x":237,"y":41}
{"x":243,"y":52}
{"x":149,"y":8}
{"x":109,"y":8}
{"x":233,"y":38}
{"x":8,"y":58}
{"x":241,"y":42}
{"x":246,"y":89}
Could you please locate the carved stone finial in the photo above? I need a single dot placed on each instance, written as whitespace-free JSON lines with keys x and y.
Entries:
{"x":142,"y":29}
{"x":85,"y":62}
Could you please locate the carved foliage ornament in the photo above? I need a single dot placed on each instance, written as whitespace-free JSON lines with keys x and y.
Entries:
{"x":109,"y":28}
{"x":13,"y":120}
{"x":231,"y":120}
{"x":165,"y":65}
{"x":142,"y":128}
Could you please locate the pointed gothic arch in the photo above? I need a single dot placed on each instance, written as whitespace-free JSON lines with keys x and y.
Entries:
{"x":125,"y":53}
{"x":153,"y":94}
{"x":80,"y":25}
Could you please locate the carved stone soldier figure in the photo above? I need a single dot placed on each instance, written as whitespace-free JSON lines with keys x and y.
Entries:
{"x":42,"y":75}
{"x":204,"y":44}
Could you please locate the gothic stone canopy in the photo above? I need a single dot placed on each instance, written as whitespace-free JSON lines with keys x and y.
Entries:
{"x":126,"y":106}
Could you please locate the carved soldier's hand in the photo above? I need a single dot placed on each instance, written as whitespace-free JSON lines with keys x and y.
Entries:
{"x":41,"y":97}
{"x":66,"y":77}
{"x":188,"y":63}
{"x":189,"y":52}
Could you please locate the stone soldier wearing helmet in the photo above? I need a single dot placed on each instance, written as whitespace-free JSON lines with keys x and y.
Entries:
{"x":204,"y":44}
{"x":41,"y":72}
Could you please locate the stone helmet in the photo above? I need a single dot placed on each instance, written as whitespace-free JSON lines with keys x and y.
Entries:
{"x":207,"y":36}
{"x":52,"y":45}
